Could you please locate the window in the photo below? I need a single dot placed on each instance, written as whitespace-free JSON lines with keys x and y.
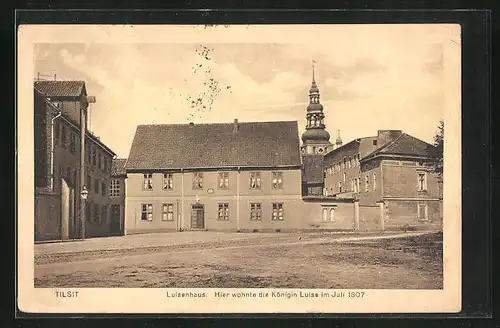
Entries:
{"x":89,"y":183}
{"x":255,"y":180}
{"x":375,"y":142}
{"x":105,"y":168}
{"x":374,"y":181}
{"x":197,"y":180}
{"x":99,"y":161}
{"x":94,"y":155}
{"x":223,"y":212}
{"x":255,"y":212}
{"x":168,"y":212}
{"x":359,"y":185}
{"x":87,"y":149}
{"x":72,"y":143}
{"x":103,"y":189}
{"x":349,"y":163}
{"x":96,"y":213}
{"x":56,"y":132}
{"x":148,"y":182}
{"x":223,"y":180}
{"x":422,"y":181}
{"x":344,"y":176}
{"x":277,"y":212}
{"x":147,"y":212}
{"x":367,"y":183}
{"x":96,"y":186}
{"x":328,"y":214}
{"x":340,"y":186}
{"x":277,"y":181}
{"x":114,"y":190}
{"x":168,"y":181}
{"x":104,"y":214}
{"x":63,"y":136}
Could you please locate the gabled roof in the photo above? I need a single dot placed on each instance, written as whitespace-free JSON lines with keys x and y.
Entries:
{"x":251,"y":144}
{"x":405,"y":144}
{"x":118,"y":167}
{"x":60,"y":88}
{"x":312,"y":168}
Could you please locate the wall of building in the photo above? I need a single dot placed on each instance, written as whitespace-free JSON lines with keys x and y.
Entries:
{"x":66,"y":161}
{"x":369,"y":218}
{"x":401,"y":180}
{"x":404,"y":213}
{"x":297,"y":213}
{"x":70,"y":108}
{"x":120,"y":202}
{"x":42,"y":126}
{"x":98,"y":213}
{"x":47,"y":217}
{"x":372,"y":194}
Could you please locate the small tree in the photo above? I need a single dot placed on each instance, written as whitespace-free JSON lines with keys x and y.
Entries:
{"x":439,"y":144}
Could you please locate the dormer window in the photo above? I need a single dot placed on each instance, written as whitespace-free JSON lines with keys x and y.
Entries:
{"x":374,"y":142}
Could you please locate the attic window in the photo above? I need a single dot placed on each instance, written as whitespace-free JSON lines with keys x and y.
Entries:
{"x":374,"y":142}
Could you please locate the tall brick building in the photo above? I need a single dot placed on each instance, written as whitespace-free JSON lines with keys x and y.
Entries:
{"x":60,"y":116}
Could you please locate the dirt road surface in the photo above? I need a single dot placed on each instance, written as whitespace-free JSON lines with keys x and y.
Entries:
{"x":259,"y":260}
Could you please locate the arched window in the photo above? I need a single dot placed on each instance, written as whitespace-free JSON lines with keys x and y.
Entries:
{"x":332,"y":215}
{"x":325,"y":214}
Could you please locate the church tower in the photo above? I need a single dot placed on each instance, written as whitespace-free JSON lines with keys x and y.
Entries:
{"x":315,"y":140}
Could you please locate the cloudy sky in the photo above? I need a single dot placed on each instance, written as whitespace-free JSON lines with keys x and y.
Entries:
{"x":370,"y":78}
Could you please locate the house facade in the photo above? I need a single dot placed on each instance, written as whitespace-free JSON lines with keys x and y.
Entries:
{"x":391,"y":176}
{"x":60,"y":110}
{"x":227,"y":177}
{"x":117,"y":196}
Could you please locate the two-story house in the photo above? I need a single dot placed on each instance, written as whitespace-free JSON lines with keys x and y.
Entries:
{"x":236,"y":176}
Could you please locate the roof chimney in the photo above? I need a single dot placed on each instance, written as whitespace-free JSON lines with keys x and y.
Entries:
{"x":235,"y":126}
{"x":385,"y":136}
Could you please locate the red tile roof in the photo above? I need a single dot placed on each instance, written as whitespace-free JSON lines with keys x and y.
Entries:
{"x":118,"y":167}
{"x":60,"y":88}
{"x":254,"y":144}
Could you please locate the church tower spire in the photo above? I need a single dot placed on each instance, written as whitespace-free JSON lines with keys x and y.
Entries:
{"x":316,"y":140}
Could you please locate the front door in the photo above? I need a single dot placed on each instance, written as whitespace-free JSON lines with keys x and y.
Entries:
{"x":198,"y":217}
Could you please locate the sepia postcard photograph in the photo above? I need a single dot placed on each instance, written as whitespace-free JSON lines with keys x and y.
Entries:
{"x":239,"y":168}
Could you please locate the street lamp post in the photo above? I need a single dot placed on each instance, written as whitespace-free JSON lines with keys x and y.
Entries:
{"x":84,"y":195}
